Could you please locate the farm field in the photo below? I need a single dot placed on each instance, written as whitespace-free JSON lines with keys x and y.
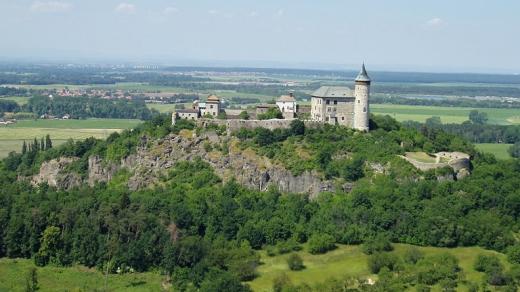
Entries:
{"x":21,"y":100}
{"x":500,"y":116}
{"x":12,"y":136}
{"x":351,"y":261}
{"x":499,"y":150}
{"x":161,"y":107}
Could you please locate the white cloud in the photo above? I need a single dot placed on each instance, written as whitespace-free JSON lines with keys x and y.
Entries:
{"x":435,"y":22}
{"x":126,"y":8}
{"x":213,"y":11}
{"x":253,"y":13}
{"x":170,"y":10}
{"x":280,"y":12}
{"x":50,"y":6}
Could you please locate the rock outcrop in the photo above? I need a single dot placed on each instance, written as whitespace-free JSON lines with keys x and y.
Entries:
{"x":53,"y":172}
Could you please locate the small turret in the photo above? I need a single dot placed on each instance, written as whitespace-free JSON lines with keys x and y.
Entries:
{"x":361,"y":103}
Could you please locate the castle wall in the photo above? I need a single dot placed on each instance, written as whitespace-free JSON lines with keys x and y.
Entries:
{"x":234,"y":125}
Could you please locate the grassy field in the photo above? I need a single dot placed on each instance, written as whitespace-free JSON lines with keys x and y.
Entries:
{"x":78,"y":278}
{"x":350,"y":261}
{"x":12,"y":136}
{"x":499,"y":150}
{"x":447,"y":114}
{"x":339,"y":263}
{"x":162,"y":108}
{"x":21,"y":100}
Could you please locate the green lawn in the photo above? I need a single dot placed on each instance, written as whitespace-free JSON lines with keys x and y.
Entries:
{"x":500,"y":116}
{"x":77,"y":278}
{"x":499,"y":150}
{"x":12,"y":136}
{"x":350,"y":261}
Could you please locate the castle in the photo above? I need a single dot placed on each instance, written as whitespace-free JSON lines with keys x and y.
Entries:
{"x":329,"y":104}
{"x":341,"y":105}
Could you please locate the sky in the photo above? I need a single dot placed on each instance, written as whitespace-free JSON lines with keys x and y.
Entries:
{"x":396,"y":35}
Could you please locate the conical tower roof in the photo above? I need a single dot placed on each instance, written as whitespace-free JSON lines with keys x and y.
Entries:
{"x":363,"y":76}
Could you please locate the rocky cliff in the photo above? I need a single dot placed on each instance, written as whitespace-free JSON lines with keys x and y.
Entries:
{"x":154,"y":160}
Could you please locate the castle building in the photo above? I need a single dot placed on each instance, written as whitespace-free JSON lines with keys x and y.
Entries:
{"x":213,"y":105}
{"x":342,"y":105}
{"x":287,"y":105}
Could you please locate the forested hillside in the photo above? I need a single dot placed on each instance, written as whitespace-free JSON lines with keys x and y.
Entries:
{"x":204,"y":232}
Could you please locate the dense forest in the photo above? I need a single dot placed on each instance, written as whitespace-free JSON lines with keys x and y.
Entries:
{"x":204,"y":233}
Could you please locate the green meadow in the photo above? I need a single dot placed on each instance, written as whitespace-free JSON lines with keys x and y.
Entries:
{"x":345,"y":261}
{"x":12,"y":136}
{"x":76,"y":278}
{"x":499,"y":150}
{"x":350,"y":261}
{"x":499,"y":116}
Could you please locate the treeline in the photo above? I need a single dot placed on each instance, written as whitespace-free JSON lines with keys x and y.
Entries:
{"x":458,"y":90}
{"x":459,"y":102}
{"x":86,"y":107}
{"x":8,"y":106}
{"x":12,"y":91}
{"x":476,"y":133}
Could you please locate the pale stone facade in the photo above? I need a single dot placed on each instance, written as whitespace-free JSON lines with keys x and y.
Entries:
{"x":342,"y":106}
{"x":287,"y":105}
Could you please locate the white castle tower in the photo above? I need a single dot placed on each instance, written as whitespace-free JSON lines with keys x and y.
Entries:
{"x":361,"y":105}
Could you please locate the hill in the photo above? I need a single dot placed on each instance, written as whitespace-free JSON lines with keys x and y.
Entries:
{"x":199,"y":203}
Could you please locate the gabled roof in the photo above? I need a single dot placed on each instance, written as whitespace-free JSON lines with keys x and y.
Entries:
{"x":333,"y":91}
{"x":286,"y":98}
{"x":213,"y":98}
{"x":363,"y":76}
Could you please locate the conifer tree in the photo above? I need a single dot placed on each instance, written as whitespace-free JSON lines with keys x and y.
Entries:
{"x":48,"y":142}
{"x":24,"y":147}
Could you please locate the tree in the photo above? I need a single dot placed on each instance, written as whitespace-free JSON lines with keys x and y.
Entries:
{"x":433,"y":122}
{"x":48,"y":142}
{"x":271,"y":113}
{"x":50,"y":245}
{"x":514,"y":150}
{"x":24,"y":147}
{"x":513,"y":254}
{"x":31,"y":280}
{"x":378,"y":261}
{"x":297,"y":127}
{"x":244,"y":115}
{"x":295,"y":262}
{"x":321,"y":243}
{"x":477,"y":117}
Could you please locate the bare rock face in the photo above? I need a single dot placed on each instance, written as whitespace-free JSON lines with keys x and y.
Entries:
{"x":151,"y":162}
{"x":98,"y":172}
{"x":54,"y":173}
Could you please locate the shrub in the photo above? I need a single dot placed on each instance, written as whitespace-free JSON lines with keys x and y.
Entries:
{"x":435,"y":268}
{"x":413,"y":255}
{"x":375,"y":244}
{"x":281,"y":283}
{"x":487,"y":263}
{"x":295,"y":262}
{"x":321,"y":243}
{"x":513,"y":254}
{"x":378,"y":261}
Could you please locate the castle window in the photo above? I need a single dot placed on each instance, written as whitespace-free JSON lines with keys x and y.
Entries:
{"x":342,"y":118}
{"x":364,"y":109}
{"x":327,"y":102}
{"x":358,"y":101}
{"x":328,"y":109}
{"x":335,"y":102}
{"x":211,"y":106}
